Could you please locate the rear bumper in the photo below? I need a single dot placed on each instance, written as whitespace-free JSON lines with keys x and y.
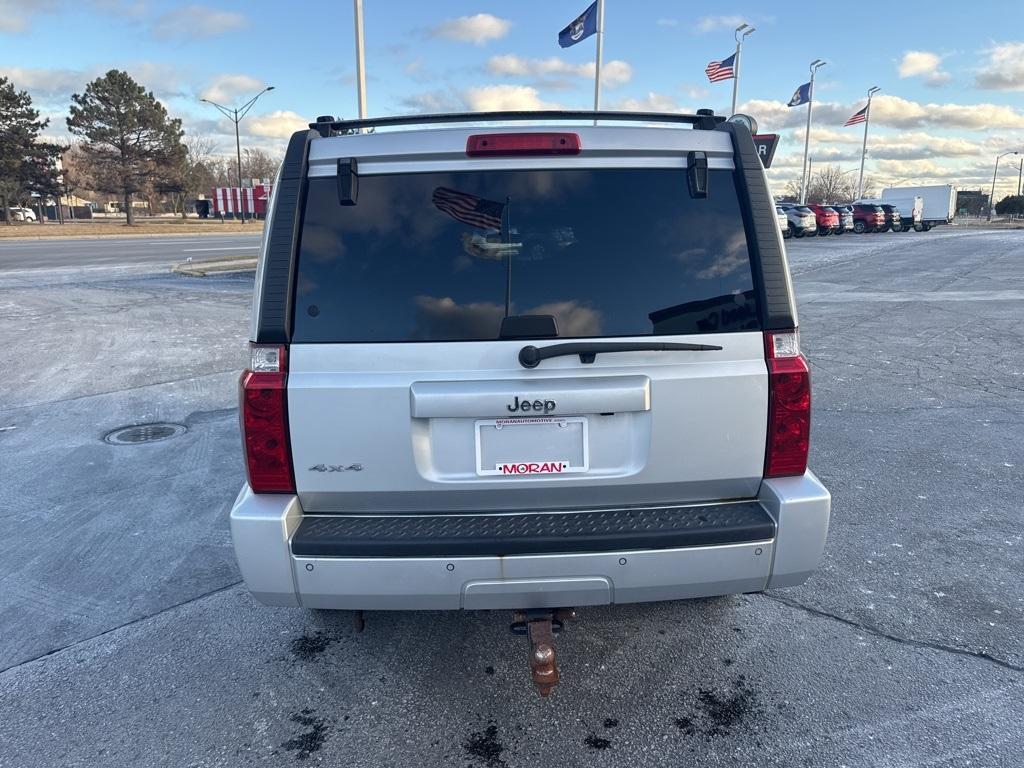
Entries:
{"x":264,"y":530}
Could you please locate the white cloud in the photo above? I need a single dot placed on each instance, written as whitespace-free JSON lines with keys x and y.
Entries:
{"x":227,"y":89}
{"x":924,"y":64}
{"x":489,"y":98}
{"x":903,"y":113}
{"x":711,"y":23}
{"x":197,"y":21}
{"x":49,"y":86}
{"x":279,"y":124}
{"x":477,"y":29}
{"x":652,"y":102}
{"x":433,"y":102}
{"x":552,"y":72}
{"x":890,"y":111}
{"x":46,"y":82}
{"x":1004,"y":70}
{"x":667,"y":22}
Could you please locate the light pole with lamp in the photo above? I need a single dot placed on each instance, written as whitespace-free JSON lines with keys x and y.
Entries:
{"x":235,"y":115}
{"x":742,"y":31}
{"x":992,"y":194}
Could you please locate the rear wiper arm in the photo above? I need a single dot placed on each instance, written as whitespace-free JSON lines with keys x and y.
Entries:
{"x":530,"y":356}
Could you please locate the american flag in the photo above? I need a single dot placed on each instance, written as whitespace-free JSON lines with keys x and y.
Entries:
{"x":721,"y":70}
{"x":469,"y":209}
{"x":859,"y":117}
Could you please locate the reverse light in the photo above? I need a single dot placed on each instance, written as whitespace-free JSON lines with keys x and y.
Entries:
{"x":789,"y":405}
{"x":513,"y":144}
{"x":263,"y":410}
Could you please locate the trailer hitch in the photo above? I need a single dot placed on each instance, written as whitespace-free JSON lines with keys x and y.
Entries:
{"x":541,"y":626}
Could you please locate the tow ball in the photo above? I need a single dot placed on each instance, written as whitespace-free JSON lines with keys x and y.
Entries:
{"x":541,"y":626}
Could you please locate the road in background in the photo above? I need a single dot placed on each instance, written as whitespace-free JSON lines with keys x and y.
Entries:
{"x":126,"y":639}
{"x":110,"y":251}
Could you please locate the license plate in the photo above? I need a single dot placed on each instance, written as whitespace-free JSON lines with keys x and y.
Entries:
{"x":532,"y":447}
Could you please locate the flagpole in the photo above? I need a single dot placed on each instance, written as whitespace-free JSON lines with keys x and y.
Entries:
{"x":600,"y":52}
{"x":736,"y":70}
{"x":807,"y":136}
{"x":864,"y":149}
{"x":360,"y":64}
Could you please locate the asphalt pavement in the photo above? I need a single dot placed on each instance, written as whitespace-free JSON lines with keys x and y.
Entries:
{"x":74,"y":252}
{"x":126,"y":638}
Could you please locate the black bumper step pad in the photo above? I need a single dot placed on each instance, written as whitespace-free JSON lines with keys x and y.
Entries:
{"x":531,"y":533}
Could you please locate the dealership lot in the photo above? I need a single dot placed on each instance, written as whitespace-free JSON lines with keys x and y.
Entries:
{"x":125,"y":637}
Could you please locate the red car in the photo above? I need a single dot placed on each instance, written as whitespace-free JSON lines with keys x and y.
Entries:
{"x":827,"y":218}
{"x":868,"y":218}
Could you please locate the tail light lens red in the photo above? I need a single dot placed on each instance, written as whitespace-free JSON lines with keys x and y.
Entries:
{"x":512,"y":144}
{"x":789,"y":405}
{"x":264,"y":419}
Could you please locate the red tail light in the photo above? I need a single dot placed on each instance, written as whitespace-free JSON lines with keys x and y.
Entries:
{"x":264,"y":421}
{"x":512,"y":144}
{"x":789,"y":405}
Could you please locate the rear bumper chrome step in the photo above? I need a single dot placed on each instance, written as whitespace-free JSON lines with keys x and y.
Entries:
{"x":523,"y":561}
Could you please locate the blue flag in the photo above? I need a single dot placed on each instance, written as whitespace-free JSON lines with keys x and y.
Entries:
{"x":583,"y":26}
{"x":801,"y":95}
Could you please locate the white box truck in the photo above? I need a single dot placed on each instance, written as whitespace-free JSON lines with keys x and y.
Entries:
{"x":938,"y":203}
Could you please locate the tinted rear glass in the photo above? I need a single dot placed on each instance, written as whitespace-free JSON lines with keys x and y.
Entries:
{"x":606,"y":252}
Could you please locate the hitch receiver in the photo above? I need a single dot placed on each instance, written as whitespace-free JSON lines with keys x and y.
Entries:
{"x":540,"y":626}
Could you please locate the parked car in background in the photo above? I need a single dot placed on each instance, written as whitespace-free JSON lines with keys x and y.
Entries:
{"x":802,"y":220}
{"x":893,"y":220}
{"x":868,"y":218}
{"x":845,"y":218}
{"x":909,"y":209}
{"x":22,"y":214}
{"x":938,"y":203}
{"x":826,"y":218}
{"x":783,"y":222}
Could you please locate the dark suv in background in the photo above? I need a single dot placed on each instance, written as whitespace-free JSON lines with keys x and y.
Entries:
{"x":893,"y":220}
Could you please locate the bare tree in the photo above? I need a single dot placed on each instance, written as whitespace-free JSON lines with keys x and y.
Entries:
{"x":194,"y":175}
{"x":831,"y":185}
{"x":257,"y":164}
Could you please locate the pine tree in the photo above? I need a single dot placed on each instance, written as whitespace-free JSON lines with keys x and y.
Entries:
{"x":25,"y":163}
{"x":130,"y":141}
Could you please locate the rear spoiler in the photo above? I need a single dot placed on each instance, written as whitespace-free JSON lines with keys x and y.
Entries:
{"x":704,"y":120}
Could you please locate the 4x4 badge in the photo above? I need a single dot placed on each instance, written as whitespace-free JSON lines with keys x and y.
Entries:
{"x":336,"y":468}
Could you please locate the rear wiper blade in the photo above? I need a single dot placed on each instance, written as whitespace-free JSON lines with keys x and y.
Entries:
{"x":530,"y":356}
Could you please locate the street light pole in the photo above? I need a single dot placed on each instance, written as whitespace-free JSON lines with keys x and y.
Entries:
{"x":745,"y":29}
{"x":815,"y":66}
{"x":992,"y":194}
{"x":235,"y":115}
{"x":864,"y":148}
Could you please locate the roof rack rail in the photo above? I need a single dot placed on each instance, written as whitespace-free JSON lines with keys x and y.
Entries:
{"x":705,"y":119}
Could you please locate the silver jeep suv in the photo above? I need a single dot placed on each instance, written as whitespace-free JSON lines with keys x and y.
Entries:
{"x":530,"y":367}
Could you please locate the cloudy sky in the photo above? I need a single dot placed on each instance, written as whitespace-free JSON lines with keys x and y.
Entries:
{"x":952,"y":74}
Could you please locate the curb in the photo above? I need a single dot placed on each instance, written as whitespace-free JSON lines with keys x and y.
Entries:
{"x":220,"y":266}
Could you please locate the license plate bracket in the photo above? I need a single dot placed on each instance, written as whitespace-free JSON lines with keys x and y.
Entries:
{"x":532,"y":447}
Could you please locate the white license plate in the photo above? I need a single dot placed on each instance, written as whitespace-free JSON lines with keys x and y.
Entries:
{"x":532,"y":447}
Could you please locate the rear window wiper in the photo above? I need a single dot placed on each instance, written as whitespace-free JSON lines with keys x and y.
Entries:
{"x":530,"y":356}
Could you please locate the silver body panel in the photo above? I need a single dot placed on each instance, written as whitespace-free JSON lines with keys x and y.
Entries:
{"x":262,"y":527}
{"x":680,"y":427}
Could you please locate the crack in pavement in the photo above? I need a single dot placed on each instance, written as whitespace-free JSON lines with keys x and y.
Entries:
{"x":881,"y":633}
{"x":139,"y":620}
{"x":73,"y":398}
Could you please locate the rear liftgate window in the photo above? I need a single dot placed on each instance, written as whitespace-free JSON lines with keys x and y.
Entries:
{"x":447,"y":256}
